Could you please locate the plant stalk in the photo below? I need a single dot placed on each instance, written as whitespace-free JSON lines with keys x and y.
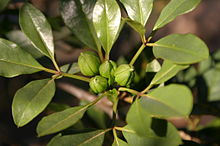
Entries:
{"x":137,"y":54}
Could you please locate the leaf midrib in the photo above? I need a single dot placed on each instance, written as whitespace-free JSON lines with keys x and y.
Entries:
{"x":91,"y":138}
{"x":39,"y":92}
{"x":169,"y":15}
{"x":41,"y":39}
{"x":187,"y":51}
{"x":167,"y":105}
{"x":66,"y":119}
{"x":164,"y":74}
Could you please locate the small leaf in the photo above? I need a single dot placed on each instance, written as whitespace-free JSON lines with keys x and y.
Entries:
{"x":31,"y":100}
{"x":167,"y":71}
{"x":107,"y":20}
{"x":94,"y":138}
{"x":15,"y":61}
{"x":153,"y":66}
{"x":77,"y":15}
{"x":170,"y":138}
{"x":138,"y":10}
{"x":36,"y":27}
{"x":169,"y":101}
{"x":60,"y":120}
{"x":135,"y":25}
{"x":72,"y":68}
{"x":3,"y":4}
{"x":181,"y":49}
{"x":174,"y":9}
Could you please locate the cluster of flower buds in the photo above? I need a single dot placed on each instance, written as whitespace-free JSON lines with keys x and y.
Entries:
{"x":106,"y":74}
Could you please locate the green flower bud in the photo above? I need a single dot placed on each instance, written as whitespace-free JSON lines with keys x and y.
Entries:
{"x":107,"y":68}
{"x":89,"y":63}
{"x":124,"y":74}
{"x":98,"y":84}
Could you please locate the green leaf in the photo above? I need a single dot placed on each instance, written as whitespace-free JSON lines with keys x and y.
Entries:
{"x":94,"y":138}
{"x":77,"y":15}
{"x":138,"y":10}
{"x":139,"y":120}
{"x":169,"y":101}
{"x":36,"y":27}
{"x":15,"y":61}
{"x":136,"y":26}
{"x":170,"y":138}
{"x":153,"y":66}
{"x":72,"y":68}
{"x":60,"y":120}
{"x":31,"y":100}
{"x":174,"y":9}
{"x":167,"y":71}
{"x":181,"y":49}
{"x":19,"y":38}
{"x":106,"y":20}
{"x":212,"y":80}
{"x":3,"y":4}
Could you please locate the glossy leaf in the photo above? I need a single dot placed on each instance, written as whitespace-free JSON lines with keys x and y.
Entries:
{"x":3,"y":4}
{"x":77,"y":15}
{"x":31,"y":100}
{"x":135,"y":25}
{"x":170,"y":138}
{"x":153,"y":66}
{"x":138,"y":10}
{"x":139,"y":120}
{"x":15,"y":61}
{"x":20,"y":38}
{"x":60,"y":120}
{"x":169,"y":101}
{"x":181,"y":49}
{"x":72,"y":68}
{"x":167,"y":71}
{"x":107,"y":20}
{"x":35,"y":26}
{"x":94,"y":138}
{"x":173,"y":9}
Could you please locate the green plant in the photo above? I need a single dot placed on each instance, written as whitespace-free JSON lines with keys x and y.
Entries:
{"x":97,"y":23}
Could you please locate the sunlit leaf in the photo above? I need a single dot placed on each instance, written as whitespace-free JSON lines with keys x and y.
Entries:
{"x":168,"y":101}
{"x":31,"y":100}
{"x":60,"y":120}
{"x":138,"y":10}
{"x":181,"y":49}
{"x":36,"y":27}
{"x":107,"y":20}
{"x":15,"y":61}
{"x":153,"y":66}
{"x":173,"y":9}
{"x":167,"y":71}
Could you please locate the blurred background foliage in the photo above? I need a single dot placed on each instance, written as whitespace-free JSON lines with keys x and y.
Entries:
{"x":202,"y":78}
